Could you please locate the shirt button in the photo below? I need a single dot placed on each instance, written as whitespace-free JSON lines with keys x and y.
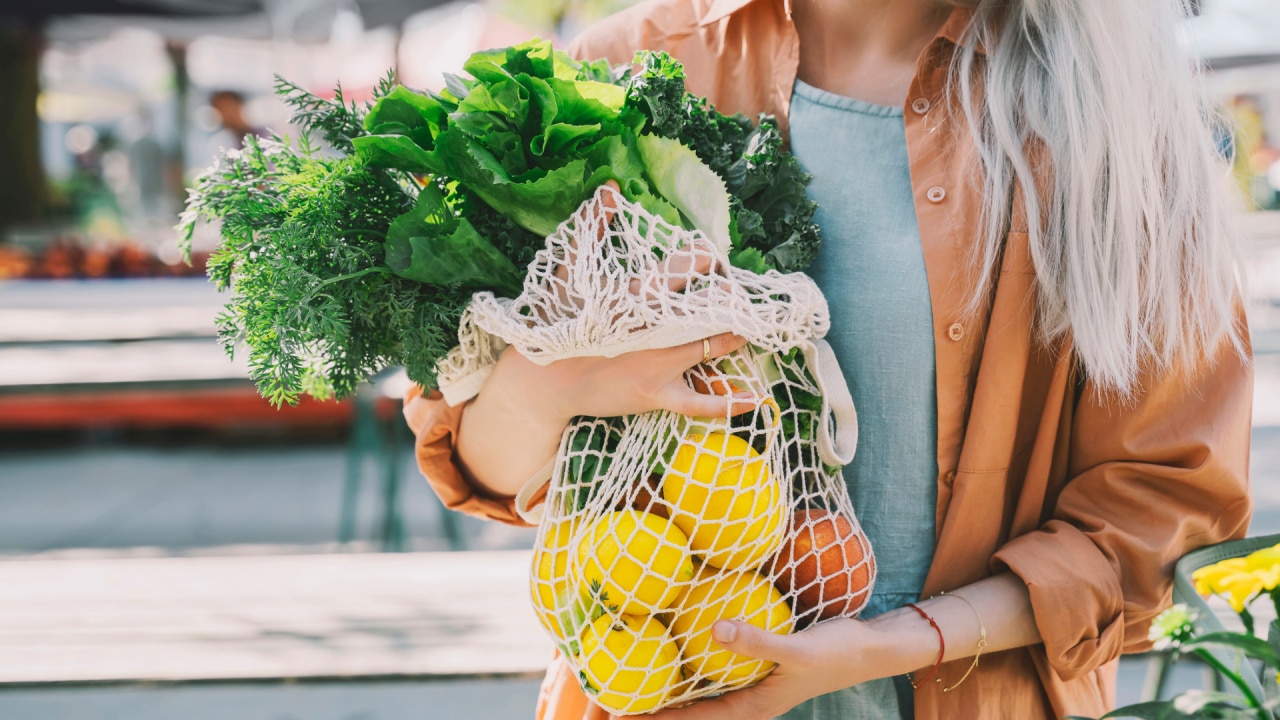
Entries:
{"x":920,"y":106}
{"x":936,"y":194}
{"x":955,"y":332}
{"x":951,"y":476}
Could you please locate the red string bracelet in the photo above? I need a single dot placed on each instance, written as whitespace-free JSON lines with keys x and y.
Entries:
{"x":942,"y":647}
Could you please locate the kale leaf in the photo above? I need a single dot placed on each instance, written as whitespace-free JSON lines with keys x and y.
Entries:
{"x":771,"y":214}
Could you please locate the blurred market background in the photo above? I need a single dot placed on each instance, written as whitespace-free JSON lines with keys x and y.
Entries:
{"x":171,"y":546}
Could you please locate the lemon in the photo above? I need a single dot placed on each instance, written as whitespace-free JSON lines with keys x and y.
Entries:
{"x":725,"y":500}
{"x":634,"y":562}
{"x":630,"y":664}
{"x":730,"y":595}
{"x":549,"y":581}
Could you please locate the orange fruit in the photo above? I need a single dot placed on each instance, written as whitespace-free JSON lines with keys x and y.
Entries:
{"x":824,"y":564}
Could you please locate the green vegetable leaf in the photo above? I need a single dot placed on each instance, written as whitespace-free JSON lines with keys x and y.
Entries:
{"x":429,"y":244}
{"x":395,"y":151}
{"x":749,"y":259}
{"x":541,"y":204}
{"x":585,"y":101}
{"x":658,"y":90}
{"x":505,"y":98}
{"x":562,"y":139}
{"x":770,"y":207}
{"x":404,"y":112}
{"x":456,"y":88}
{"x":677,"y":174}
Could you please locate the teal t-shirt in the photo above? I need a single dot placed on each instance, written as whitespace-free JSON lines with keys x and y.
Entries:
{"x":871,"y":269}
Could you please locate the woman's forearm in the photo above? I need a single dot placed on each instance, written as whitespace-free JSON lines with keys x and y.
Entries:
{"x":1003,"y":603}
{"x":843,"y":653}
{"x":513,"y":427}
{"x":506,"y":435}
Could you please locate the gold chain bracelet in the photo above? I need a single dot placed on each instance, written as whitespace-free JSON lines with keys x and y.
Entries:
{"x":982,"y":639}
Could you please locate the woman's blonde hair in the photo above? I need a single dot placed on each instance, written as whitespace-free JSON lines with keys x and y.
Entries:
{"x":1136,"y":254}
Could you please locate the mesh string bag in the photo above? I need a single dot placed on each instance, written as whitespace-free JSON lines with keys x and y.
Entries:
{"x":654,"y":526}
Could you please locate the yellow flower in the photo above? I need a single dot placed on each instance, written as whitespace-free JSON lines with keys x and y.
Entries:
{"x":1270,"y":577}
{"x":1239,"y":588}
{"x":1265,"y":564}
{"x":1208,"y":578}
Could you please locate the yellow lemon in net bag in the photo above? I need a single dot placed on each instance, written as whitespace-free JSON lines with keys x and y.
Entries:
{"x":634,"y":562}
{"x":728,"y":595}
{"x":725,"y":500}
{"x":558,"y":609}
{"x":629,"y":664}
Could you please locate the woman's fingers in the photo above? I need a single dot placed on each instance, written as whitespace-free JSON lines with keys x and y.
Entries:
{"x":679,"y":267}
{"x":608,"y":207}
{"x":699,"y":351}
{"x":746,"y":639}
{"x":681,"y":398}
{"x":609,"y":201}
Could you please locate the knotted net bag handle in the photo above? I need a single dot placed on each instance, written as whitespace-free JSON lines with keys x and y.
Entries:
{"x":836,"y":445}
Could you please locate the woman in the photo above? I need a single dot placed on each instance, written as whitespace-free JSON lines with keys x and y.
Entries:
{"x":1029,"y":266}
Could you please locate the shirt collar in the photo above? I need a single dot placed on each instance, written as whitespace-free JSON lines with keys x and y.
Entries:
{"x":953,"y":29}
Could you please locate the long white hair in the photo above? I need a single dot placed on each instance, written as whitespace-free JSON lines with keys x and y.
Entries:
{"x":1136,"y":255}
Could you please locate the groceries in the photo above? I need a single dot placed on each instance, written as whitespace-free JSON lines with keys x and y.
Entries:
{"x":690,"y":521}
{"x":569,"y":209}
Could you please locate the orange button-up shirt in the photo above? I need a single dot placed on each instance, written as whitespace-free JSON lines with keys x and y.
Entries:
{"x":1088,"y":500}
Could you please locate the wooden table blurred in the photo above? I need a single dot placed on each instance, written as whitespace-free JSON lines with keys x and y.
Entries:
{"x":137,"y":352}
{"x":144,"y":353}
{"x":412,"y":615}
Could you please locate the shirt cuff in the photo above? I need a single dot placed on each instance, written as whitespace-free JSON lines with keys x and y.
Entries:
{"x":1076,"y":597}
{"x":435,"y":426}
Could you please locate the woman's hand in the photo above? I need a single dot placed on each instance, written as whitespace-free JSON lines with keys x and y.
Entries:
{"x":510,"y":429}
{"x":515,"y":423}
{"x":606,"y":387}
{"x":822,"y":659}
{"x":843,"y":652}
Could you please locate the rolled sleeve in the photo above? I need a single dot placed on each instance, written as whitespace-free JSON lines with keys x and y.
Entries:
{"x":1150,"y":479}
{"x":1076,"y":596}
{"x":435,"y":428}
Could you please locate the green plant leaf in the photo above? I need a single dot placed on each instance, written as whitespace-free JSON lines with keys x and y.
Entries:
{"x":1251,"y":646}
{"x":749,"y":259}
{"x":429,"y":244}
{"x":680,"y":177}
{"x":539,"y":205}
{"x":585,"y":101}
{"x":395,"y":151}
{"x":505,"y":98}
{"x":563,"y":139}
{"x":404,"y":112}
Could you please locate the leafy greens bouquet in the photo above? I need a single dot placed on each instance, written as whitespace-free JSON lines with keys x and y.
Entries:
{"x":347,"y":261}
{"x":571,"y":209}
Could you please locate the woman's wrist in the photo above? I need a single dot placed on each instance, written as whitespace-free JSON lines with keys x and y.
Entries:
{"x":527,"y":392}
{"x":904,"y":641}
